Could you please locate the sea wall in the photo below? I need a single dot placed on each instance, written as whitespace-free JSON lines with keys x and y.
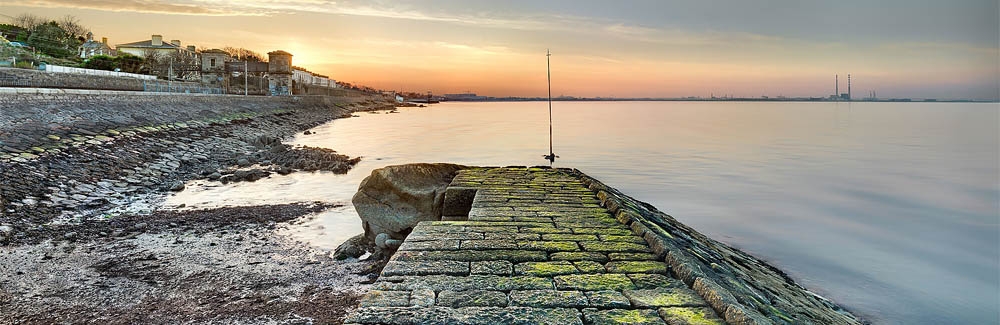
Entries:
{"x":556,"y":246}
{"x":741,"y":288}
{"x":38,"y":118}
{"x":11,"y":77}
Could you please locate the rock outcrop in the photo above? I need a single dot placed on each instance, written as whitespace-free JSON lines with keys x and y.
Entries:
{"x":393,"y":199}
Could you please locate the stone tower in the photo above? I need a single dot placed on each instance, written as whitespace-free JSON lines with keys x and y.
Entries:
{"x":279,"y":73}
{"x":213,"y":66}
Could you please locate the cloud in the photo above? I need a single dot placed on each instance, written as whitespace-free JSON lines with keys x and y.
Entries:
{"x":145,"y":6}
{"x":682,"y":37}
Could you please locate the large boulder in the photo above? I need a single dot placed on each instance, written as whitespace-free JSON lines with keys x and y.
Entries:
{"x":393,"y":199}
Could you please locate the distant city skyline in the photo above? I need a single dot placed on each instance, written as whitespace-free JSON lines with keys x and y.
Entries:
{"x":658,"y":48}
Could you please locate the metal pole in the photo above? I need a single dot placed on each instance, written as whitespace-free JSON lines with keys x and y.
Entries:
{"x":548,"y":72}
{"x":246,"y":85}
{"x":170,"y":71}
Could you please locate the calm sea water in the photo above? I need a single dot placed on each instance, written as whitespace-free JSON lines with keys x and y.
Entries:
{"x":890,"y":209}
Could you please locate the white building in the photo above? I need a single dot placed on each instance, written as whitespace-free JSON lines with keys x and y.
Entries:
{"x":156,"y":44}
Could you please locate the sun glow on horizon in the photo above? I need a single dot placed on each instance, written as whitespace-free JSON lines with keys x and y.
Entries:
{"x":598,"y":49}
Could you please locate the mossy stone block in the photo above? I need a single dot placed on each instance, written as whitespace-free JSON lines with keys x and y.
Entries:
{"x":589,"y":267}
{"x":471,"y":298}
{"x":569,"y":237}
{"x":594,"y":282}
{"x":579,"y":256}
{"x":545,"y":269}
{"x":550,"y":246}
{"x":637,"y":267}
{"x":492,"y":267}
{"x":653,"y":281}
{"x":664,"y":297}
{"x":548,"y":299}
{"x":613,"y":247}
{"x":607,"y":299}
{"x":690,"y":316}
{"x":621,"y":316}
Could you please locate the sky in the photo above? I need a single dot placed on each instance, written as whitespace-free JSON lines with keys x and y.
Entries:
{"x":659,"y":48}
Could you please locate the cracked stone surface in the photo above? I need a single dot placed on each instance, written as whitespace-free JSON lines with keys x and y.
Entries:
{"x":537,"y":248}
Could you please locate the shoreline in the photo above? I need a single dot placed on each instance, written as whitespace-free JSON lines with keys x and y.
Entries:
{"x":82,"y":237}
{"x":80,"y":244}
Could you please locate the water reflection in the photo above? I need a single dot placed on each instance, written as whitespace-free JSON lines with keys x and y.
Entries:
{"x":891,"y":209}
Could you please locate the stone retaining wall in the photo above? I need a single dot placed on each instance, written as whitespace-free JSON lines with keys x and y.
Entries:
{"x":40,"y":118}
{"x":741,"y":288}
{"x":11,"y":77}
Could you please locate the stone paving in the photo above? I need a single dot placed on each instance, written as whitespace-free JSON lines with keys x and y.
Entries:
{"x":537,"y":248}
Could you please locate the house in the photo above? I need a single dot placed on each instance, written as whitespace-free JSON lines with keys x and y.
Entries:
{"x":156,"y":45}
{"x":91,"y":48}
{"x":213,"y":66}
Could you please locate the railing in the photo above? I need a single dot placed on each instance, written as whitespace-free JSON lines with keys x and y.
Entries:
{"x":93,"y":72}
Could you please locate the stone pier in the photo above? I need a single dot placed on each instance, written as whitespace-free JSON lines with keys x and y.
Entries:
{"x":537,"y":246}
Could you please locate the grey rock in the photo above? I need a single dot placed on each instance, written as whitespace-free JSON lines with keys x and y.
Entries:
{"x":5,"y":232}
{"x":354,"y":247}
{"x":177,"y":186}
{"x":380,"y":240}
{"x":394,"y":199}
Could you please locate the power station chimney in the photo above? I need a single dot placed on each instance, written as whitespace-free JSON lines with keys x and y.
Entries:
{"x":836,"y":90}
{"x":848,"y":86}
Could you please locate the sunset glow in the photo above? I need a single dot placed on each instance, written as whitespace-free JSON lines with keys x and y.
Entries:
{"x":919,"y":49}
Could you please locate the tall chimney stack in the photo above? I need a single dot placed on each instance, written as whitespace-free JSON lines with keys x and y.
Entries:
{"x":836,"y":90}
{"x":848,"y":86}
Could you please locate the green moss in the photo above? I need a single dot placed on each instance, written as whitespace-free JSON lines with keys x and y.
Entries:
{"x":603,"y":231}
{"x":779,"y":313}
{"x":653,"y":281}
{"x":690,"y":315}
{"x":630,"y":239}
{"x":551,"y":246}
{"x":579,"y":256}
{"x":637,"y":267}
{"x":589,"y":267}
{"x":544,"y":230}
{"x":594,"y":282}
{"x":621,"y":316}
{"x":545,"y":269}
{"x":665,"y":297}
{"x":632,"y":256}
{"x":633,"y":317}
{"x":617,"y":247}
{"x":523,"y":283}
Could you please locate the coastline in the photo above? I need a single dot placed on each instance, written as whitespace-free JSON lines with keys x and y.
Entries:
{"x":157,"y":248}
{"x":82,"y":238}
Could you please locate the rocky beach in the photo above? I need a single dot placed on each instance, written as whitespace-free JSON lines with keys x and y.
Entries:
{"x":83,"y":238}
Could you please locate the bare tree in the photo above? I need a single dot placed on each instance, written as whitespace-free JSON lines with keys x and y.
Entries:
{"x":184,"y":64}
{"x":28,"y":21}
{"x":152,"y":62}
{"x":242,"y":54}
{"x":72,"y":26}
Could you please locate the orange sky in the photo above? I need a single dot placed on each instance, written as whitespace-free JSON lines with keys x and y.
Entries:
{"x":640,"y":49}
